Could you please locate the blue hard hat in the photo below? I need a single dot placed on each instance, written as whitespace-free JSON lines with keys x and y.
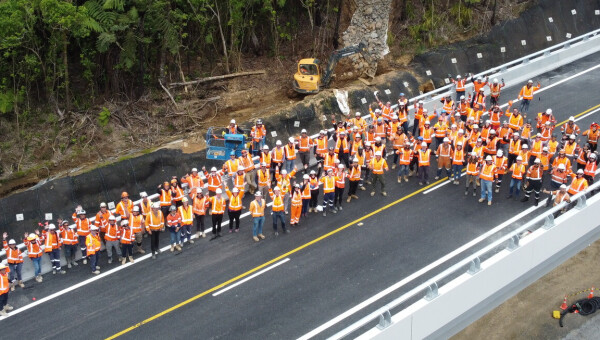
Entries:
{"x":420,"y":138}
{"x":401,"y":94}
{"x":443,"y":111}
{"x":232,"y":153}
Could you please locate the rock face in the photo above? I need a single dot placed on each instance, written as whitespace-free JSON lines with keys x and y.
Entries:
{"x":369,"y":24}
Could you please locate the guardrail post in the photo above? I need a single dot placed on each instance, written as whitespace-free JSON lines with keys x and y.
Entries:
{"x":513,"y":243}
{"x":567,"y":45}
{"x":547,"y":53}
{"x":586,"y":37}
{"x":549,"y":221}
{"x":525,"y":61}
{"x":385,"y":320}
{"x":581,"y":202}
{"x":475,"y":266}
{"x":432,"y":292}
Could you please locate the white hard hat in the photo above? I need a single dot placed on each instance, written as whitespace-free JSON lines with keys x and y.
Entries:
{"x":358,"y":135}
{"x":357,"y":114}
{"x":323,"y":132}
{"x":377,"y":153}
{"x":124,"y":222}
{"x":258,"y":193}
{"x":454,"y":125}
{"x":236,"y":190}
{"x":488,"y":158}
{"x":312,"y":172}
{"x":155,"y":205}
{"x":479,"y":78}
{"x":420,"y":102}
{"x":112,"y":218}
{"x":572,"y":136}
{"x":367,"y":143}
{"x":341,"y":166}
{"x":473,"y":153}
{"x":499,"y":153}
{"x":561,"y":166}
{"x":495,"y":80}
{"x":492,"y":131}
{"x":580,"y":171}
{"x":136,"y":208}
{"x":184,"y":199}
{"x":276,"y":188}
{"x":232,"y":121}
{"x":213,"y":169}
{"x":395,"y":116}
{"x":355,"y":160}
{"x":425,"y":111}
{"x":81,"y":212}
{"x":342,"y":132}
{"x":571,"y":119}
{"x":545,"y":148}
{"x":284,"y":172}
{"x":94,"y":228}
{"x":194,"y":170}
{"x":549,"y":111}
{"x":143,"y":194}
{"x":303,"y":131}
{"x":563,"y":186}
{"x":263,"y":164}
{"x":306,"y":176}
{"x":219,"y":191}
{"x":265,"y":147}
{"x":378,"y":139}
{"x":516,"y":134}
{"x":461,"y":131}
{"x":459,"y":143}
{"x":11,"y":241}
{"x":530,"y":81}
{"x":475,"y":126}
{"x":592,"y":155}
{"x":336,"y":161}
{"x":446,"y":139}
{"x":427,"y":122}
{"x":537,"y":161}
{"x":291,"y":139}
{"x":519,"y":158}
{"x":241,"y":168}
{"x":525,"y":146}
{"x":278,"y":142}
{"x":458,"y":76}
{"x":102,"y":205}
{"x":462,"y":97}
{"x":423,"y":144}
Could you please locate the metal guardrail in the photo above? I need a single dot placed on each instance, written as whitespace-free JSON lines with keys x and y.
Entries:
{"x":511,"y":242}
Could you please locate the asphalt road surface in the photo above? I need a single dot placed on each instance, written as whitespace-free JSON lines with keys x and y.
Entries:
{"x":323,"y":267}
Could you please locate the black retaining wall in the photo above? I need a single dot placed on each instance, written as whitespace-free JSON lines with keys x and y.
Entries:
{"x":144,"y":173}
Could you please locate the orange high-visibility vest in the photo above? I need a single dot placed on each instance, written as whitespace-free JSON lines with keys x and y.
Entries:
{"x":472,"y":168}
{"x":194,"y":181}
{"x":444,"y":150}
{"x":487,"y":172}
{"x":570,"y":149}
{"x":304,"y":144}
{"x":581,"y":157}
{"x":500,"y":163}
{"x":257,"y":209}
{"x":83,"y":225}
{"x":514,"y":147}
{"x":321,"y":145}
{"x":459,"y":157}
{"x":155,"y":222}
{"x":217,"y":205}
{"x":122,"y":207}
{"x":343,"y":144}
{"x":277,"y":155}
{"x":559,"y":176}
{"x":306,"y":192}
{"x":448,"y":105}
{"x":329,"y":161}
{"x":258,"y":133}
{"x":495,"y":90}
{"x":527,"y":93}
{"x":590,"y":169}
{"x":296,"y":199}
{"x":578,"y":185}
{"x":235,"y":201}
{"x":290,"y":152}
{"x":214,"y":182}
{"x":135,"y":223}
{"x":239,"y":182}
{"x":247,"y":163}
{"x":93,"y":244}
{"x":277,"y":201}
{"x":424,"y":157}
{"x":264,"y":177}
{"x":231,"y":165}
{"x":165,"y":197}
{"x":536,"y":149}
{"x":200,"y":205}
{"x":102,"y":219}
{"x":378,"y":165}
{"x":13,"y":256}
{"x":52,"y":242}
{"x":405,"y":156}
{"x":265,"y":157}
{"x":517,"y":171}
{"x":112,"y":232}
{"x":534,"y":174}
{"x":69,"y":236}
{"x":127,"y":235}
{"x":380,"y":130}
{"x":328,"y":184}
{"x":354,"y":173}
{"x":34,"y":249}
{"x":146,"y":207}
{"x":340,"y":179}
{"x":187,"y":215}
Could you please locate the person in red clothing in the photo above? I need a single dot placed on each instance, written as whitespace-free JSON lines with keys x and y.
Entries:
{"x":4,"y":287}
{"x":174,"y":225}
{"x":53,"y":243}
{"x":14,"y":257}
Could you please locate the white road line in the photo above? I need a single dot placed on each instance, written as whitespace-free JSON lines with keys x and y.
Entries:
{"x":416,"y":274}
{"x":251,"y":276}
{"x":587,"y":114}
{"x":440,"y":185}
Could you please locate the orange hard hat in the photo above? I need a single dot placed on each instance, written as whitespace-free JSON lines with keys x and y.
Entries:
{"x":166,"y":183}
{"x":124,"y":194}
{"x":173,"y":181}
{"x":510,"y":102}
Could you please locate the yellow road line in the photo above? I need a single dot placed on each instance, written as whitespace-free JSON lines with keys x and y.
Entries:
{"x":320,"y":238}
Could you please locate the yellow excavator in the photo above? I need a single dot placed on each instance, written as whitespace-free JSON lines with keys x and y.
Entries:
{"x":309,"y":79}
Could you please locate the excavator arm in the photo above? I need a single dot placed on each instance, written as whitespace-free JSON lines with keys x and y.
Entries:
{"x":336,"y":56}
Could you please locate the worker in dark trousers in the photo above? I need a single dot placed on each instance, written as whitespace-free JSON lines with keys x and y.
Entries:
{"x":534,"y":181}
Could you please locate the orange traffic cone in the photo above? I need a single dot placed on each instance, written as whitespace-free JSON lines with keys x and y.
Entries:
{"x":591,"y":295}
{"x":564,"y":304}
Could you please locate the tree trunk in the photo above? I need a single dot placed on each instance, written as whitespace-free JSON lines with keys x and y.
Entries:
{"x":336,"y":36}
{"x":493,"y":20}
{"x":66,"y":66}
{"x":223,"y":41}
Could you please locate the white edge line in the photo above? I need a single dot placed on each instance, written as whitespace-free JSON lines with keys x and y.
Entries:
{"x":251,"y":277}
{"x":416,"y":274}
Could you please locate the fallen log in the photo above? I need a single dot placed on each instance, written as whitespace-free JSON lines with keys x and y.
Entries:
{"x":208,"y":79}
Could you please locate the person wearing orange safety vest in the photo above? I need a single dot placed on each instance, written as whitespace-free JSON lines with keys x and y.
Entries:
{"x":83,"y":229}
{"x":124,"y":207}
{"x":217,"y":209}
{"x":559,"y":196}
{"x":558,"y":176}
{"x":329,"y":160}
{"x":164,"y":192}
{"x":265,"y":156}
{"x":200,"y":203}
{"x":257,"y":209}
{"x":515,"y":120}
{"x":145,"y":204}
{"x":378,"y":166}
{"x":419,"y":109}
{"x":534,"y":181}
{"x":479,"y":100}
{"x":427,"y":133}
{"x":277,"y":209}
{"x":193,"y":181}
{"x":187,"y":220}
{"x":478,"y":85}
{"x":174,"y":226}
{"x":68,"y":234}
{"x":137,"y":225}
{"x":277,"y":156}
{"x":233,"y":128}
{"x":234,"y":208}
{"x":284,"y":181}
{"x":263,"y":175}
{"x":570,"y":128}
{"x":458,"y":160}
{"x":495,"y":89}
{"x":127,"y":237}
{"x":214,"y":180}
{"x":526,"y":131}
{"x":578,"y":184}
{"x":593,"y":134}
{"x":582,"y":156}
{"x":562,"y":159}
{"x":101,"y":220}
{"x":112,"y":237}
{"x":501,"y":164}
{"x":444,"y":158}
{"x":313,"y":184}
{"x":340,"y":183}
{"x":517,"y":172}
{"x":359,"y":122}
{"x":526,"y":95}
{"x":14,"y":257}
{"x":4,"y":288}
{"x":247,"y":164}
{"x":460,"y":84}
{"x":342,"y":148}
{"x":543,"y":117}
{"x":353,"y":179}
{"x":290,"y":154}
{"x":176,"y":192}
{"x":155,"y":223}
{"x":231,"y":165}
{"x":258,"y":134}
{"x":34,"y":252}
{"x":52,"y":245}
{"x":93,"y":244}
{"x":321,"y":146}
{"x":570,"y":147}
{"x":328,"y":181}
{"x":590,"y":168}
{"x":472,"y":172}
{"x":305,"y":143}
{"x":305,"y":194}
{"x":296,"y":209}
{"x":424,"y":157}
{"x":487,"y":176}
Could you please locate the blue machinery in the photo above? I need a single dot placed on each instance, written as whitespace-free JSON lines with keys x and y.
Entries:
{"x":221,"y":144}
